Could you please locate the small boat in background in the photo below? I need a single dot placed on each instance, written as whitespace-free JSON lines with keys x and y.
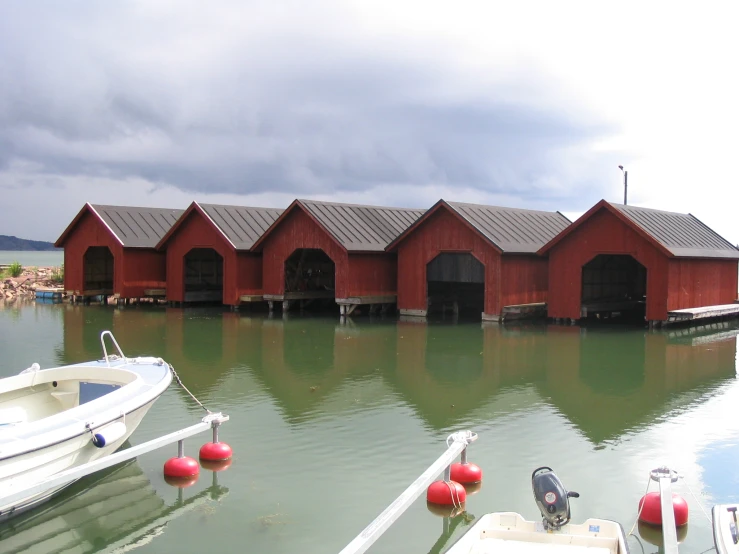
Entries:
{"x":52,"y":420}
{"x":725,"y":532}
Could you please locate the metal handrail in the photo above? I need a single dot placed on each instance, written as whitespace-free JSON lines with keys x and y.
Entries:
{"x":457,"y":442}
{"x":105,"y":350}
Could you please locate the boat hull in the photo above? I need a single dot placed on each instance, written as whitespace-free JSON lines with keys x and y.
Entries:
{"x":37,"y":465}
{"x":725,"y":529}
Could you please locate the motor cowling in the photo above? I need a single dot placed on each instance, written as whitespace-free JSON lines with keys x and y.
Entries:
{"x":551,"y":497}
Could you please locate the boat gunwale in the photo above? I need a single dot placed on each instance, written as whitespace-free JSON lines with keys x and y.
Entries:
{"x":137,"y":391}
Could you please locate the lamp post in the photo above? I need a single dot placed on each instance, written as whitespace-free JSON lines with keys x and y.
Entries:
{"x":626,"y":177}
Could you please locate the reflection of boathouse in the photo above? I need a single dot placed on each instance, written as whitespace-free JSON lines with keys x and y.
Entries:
{"x":475,"y":258}
{"x":608,"y":384}
{"x":322,"y":250}
{"x":624,"y":259}
{"x":208,"y":254}
{"x":111,"y":250}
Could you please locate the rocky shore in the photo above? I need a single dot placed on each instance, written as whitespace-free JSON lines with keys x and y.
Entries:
{"x":25,"y":285}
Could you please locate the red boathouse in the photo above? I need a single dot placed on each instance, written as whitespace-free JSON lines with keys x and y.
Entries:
{"x":323,"y":250}
{"x":618,"y":259}
{"x":110,"y":250}
{"x":208,"y":254}
{"x":475,"y":258}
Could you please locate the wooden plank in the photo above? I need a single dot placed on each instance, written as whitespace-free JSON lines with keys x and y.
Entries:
{"x":380,"y":299}
{"x":251,"y":297}
{"x":690,"y":314}
{"x":155,"y":292}
{"x":300,"y":295}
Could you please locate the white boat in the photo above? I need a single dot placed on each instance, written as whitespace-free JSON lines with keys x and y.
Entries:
{"x":509,"y":532}
{"x":725,"y":534}
{"x":52,"y":420}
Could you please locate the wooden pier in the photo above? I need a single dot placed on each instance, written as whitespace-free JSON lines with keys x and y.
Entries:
{"x":303,"y":298}
{"x":707,"y":312}
{"x":376,"y":303}
{"x":524,"y":311}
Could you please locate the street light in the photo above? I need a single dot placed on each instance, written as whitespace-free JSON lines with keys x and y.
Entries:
{"x":626,"y":176}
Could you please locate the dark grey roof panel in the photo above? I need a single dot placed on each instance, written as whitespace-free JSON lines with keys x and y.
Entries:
{"x":514,"y":231}
{"x":241,"y":225}
{"x":137,"y":227}
{"x":683,"y":235}
{"x":362,"y":228}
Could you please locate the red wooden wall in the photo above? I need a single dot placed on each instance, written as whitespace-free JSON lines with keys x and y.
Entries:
{"x":694,"y":283}
{"x":509,"y":279}
{"x":603,"y":233}
{"x":356,"y":274}
{"x":242,"y":271}
{"x":134,"y":269}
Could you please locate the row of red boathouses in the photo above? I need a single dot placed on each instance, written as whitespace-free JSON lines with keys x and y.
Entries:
{"x":501,"y":262}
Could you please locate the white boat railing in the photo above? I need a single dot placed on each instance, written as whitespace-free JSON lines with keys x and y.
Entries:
{"x":457,"y":442}
{"x":211,"y":421}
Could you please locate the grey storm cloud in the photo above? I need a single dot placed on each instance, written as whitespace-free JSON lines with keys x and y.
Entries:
{"x":293,"y":112}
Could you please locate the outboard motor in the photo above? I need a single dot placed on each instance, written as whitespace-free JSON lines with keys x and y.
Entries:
{"x":551,"y":497}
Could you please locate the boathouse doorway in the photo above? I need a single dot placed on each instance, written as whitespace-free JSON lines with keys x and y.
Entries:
{"x":203,"y":268}
{"x":455,"y":284}
{"x":310,"y":278}
{"x":614,"y":286}
{"x":99,"y":266}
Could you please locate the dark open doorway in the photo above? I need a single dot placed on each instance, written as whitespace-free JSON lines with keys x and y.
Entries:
{"x":456,"y":282}
{"x":99,"y":267}
{"x":614,"y":286}
{"x":203,"y":276}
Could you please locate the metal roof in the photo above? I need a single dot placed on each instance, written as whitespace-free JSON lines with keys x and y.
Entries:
{"x":683,"y":235}
{"x":241,"y":225}
{"x":513,"y":230}
{"x":136,"y":227}
{"x":362,"y":228}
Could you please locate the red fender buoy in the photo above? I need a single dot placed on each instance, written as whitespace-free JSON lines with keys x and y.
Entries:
{"x":181,"y":482}
{"x":181,"y":467}
{"x":215,"y":451}
{"x":446,"y":493}
{"x":466,"y":473}
{"x":650,"y":509}
{"x":216,"y":465}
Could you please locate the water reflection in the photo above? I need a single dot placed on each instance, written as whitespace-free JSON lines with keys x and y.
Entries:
{"x":606,"y":382}
{"x":111,"y":510}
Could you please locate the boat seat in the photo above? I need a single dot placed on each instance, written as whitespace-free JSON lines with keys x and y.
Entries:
{"x":13,"y":416}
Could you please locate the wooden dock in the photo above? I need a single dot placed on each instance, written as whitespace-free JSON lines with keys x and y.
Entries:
{"x":381,"y":302}
{"x":302,"y":297}
{"x":707,"y":312}
{"x":524,"y":311}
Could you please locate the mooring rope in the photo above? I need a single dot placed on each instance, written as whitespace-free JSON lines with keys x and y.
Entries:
{"x":180,"y":383}
{"x":649,"y":480}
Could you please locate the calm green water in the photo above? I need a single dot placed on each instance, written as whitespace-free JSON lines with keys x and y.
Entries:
{"x":330,"y":422}
{"x":32,"y":259}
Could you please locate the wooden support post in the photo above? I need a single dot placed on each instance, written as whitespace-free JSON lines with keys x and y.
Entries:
{"x":285,"y":306}
{"x":271,"y":305}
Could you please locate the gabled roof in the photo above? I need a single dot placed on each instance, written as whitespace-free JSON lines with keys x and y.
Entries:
{"x":510,"y":230}
{"x":354,"y":227}
{"x":133,"y":227}
{"x":674,"y":234}
{"x":241,"y":226}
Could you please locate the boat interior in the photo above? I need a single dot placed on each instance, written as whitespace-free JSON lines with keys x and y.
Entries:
{"x":36,"y":395}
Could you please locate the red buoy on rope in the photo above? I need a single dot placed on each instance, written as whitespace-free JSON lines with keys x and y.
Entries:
{"x":445,"y":511}
{"x":181,"y":467}
{"x":650,"y":509}
{"x":466,"y":473}
{"x":215,"y":452}
{"x":446,"y":493}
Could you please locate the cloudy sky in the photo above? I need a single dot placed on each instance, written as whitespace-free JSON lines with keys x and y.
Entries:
{"x":524,"y":104}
